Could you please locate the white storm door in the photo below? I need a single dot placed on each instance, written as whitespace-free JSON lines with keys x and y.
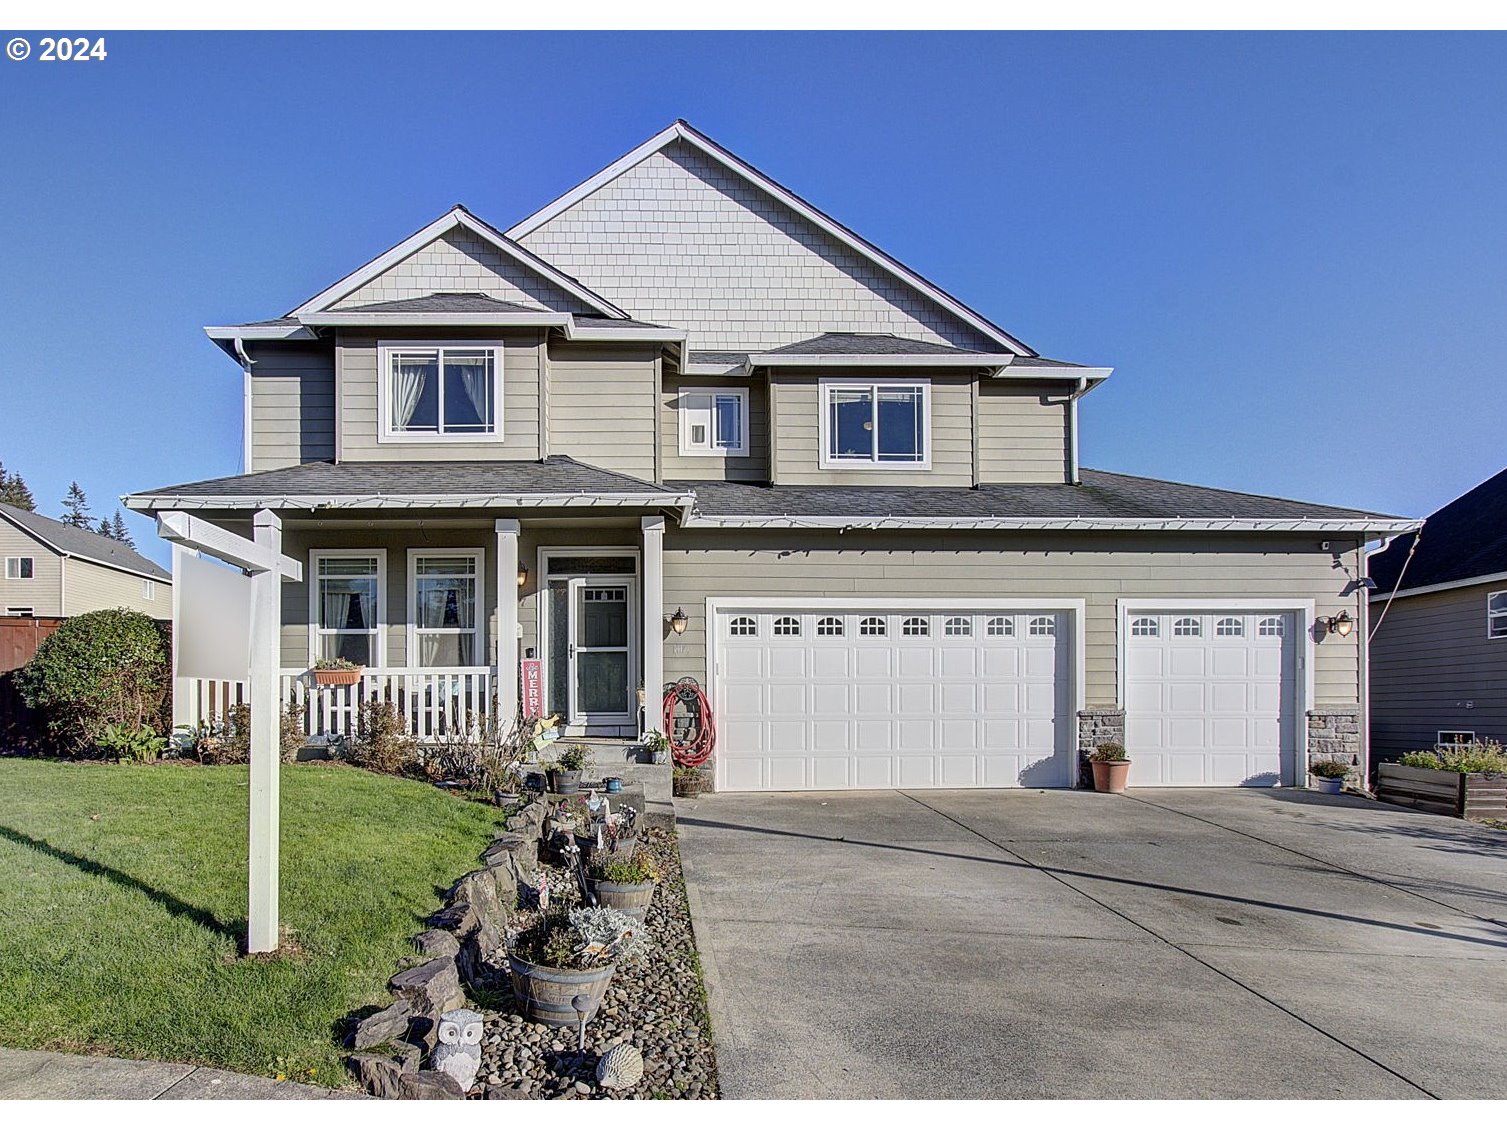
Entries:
{"x":600,"y":652}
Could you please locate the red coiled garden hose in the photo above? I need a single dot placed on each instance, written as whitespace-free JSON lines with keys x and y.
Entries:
{"x":697,"y":732}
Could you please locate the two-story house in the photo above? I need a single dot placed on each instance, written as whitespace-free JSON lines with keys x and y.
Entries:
{"x":679,"y":422}
{"x":51,"y":569}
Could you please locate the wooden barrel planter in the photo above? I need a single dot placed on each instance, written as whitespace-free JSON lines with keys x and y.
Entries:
{"x":631,"y":898}
{"x":1472,"y":795}
{"x":545,"y":992}
{"x":589,"y":850}
{"x":564,"y":782}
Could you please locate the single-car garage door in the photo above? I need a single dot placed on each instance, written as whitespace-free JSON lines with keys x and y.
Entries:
{"x":855,"y":699}
{"x":1211,"y":697}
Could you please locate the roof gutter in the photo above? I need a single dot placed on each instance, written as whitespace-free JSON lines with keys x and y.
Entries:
{"x":1234,"y":525}
{"x":154,"y":503}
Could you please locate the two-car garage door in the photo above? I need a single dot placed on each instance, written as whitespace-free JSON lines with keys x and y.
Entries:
{"x":875,"y":699}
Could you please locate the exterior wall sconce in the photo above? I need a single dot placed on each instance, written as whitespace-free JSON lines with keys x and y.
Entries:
{"x":522,"y":575}
{"x":679,"y":621}
{"x":1340,"y":625}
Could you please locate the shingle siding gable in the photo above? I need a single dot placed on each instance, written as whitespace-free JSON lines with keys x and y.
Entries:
{"x":681,"y":239}
{"x":460,"y":261}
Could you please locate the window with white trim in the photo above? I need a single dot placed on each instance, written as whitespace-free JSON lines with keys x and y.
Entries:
{"x":713,"y":421}
{"x":1042,"y":626}
{"x":787,"y":626}
{"x":445,"y":620}
{"x":1187,"y":626}
{"x":876,"y":424}
{"x":148,"y":589}
{"x":346,"y":594}
{"x":1270,"y":626}
{"x":873,"y":626}
{"x":1229,"y":626}
{"x":958,"y":626}
{"x":1496,"y":615}
{"x":1454,"y":739}
{"x":915,"y":626}
{"x":1144,"y":626}
{"x":999,"y":626}
{"x":20,"y":568}
{"x":20,"y":611}
{"x":435,"y":391}
{"x":829,"y":626}
{"x":743,"y":626}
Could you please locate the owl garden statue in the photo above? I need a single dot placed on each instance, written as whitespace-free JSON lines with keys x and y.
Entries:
{"x":458,"y":1053}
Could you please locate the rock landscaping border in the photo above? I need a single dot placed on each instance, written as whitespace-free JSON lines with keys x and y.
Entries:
{"x":656,"y":1003}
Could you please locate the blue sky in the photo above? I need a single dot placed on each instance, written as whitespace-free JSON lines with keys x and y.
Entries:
{"x":1292,"y":248}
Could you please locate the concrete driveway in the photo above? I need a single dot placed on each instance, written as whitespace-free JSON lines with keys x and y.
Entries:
{"x":1021,"y":944}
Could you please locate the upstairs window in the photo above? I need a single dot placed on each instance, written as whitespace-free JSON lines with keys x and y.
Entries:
{"x":441,"y":392}
{"x":148,"y":589}
{"x":20,"y":568}
{"x":1496,"y":615}
{"x":713,"y":421}
{"x":876,"y":424}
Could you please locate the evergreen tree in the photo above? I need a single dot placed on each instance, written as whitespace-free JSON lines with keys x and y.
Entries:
{"x":76,"y":508}
{"x":119,"y":532}
{"x":14,"y":491}
{"x":103,"y":529}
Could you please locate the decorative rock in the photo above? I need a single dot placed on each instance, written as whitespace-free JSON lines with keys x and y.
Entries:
{"x":620,"y":1068}
{"x":410,"y":1056}
{"x":429,"y":1085}
{"x":436,"y":943}
{"x":459,"y":1051}
{"x":384,"y":1026}
{"x":379,"y":1074}
{"x":457,"y":918}
{"x":431,"y":988}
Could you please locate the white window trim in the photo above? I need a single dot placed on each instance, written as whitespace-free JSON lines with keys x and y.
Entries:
{"x":17,"y":575}
{"x":379,"y":629}
{"x":1493,"y":633}
{"x":828,"y":385}
{"x":148,"y":589}
{"x":25,"y":610}
{"x":1440,"y":743}
{"x":385,"y":430}
{"x":683,"y":418}
{"x":478,"y":629}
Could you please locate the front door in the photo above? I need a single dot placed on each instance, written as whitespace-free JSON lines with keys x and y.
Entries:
{"x":599,"y":652}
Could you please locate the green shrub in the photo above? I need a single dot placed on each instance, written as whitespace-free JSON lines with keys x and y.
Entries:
{"x":639,"y":869}
{"x":228,"y":740}
{"x":1329,"y":769}
{"x":573,"y":759}
{"x":103,"y":668}
{"x":382,"y":742}
{"x":127,"y":743}
{"x":1108,"y":751}
{"x":1482,"y":756}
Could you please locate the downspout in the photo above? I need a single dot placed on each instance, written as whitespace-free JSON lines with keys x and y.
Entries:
{"x":1363,"y":664}
{"x":1072,"y":430}
{"x":246,"y":364}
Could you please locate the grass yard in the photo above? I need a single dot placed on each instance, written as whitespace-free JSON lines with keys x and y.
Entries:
{"x":123,"y":904}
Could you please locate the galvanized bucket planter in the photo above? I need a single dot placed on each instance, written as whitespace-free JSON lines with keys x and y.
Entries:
{"x":631,"y":898}
{"x":546,"y":992}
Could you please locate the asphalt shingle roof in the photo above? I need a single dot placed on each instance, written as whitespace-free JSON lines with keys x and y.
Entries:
{"x":449,"y":303}
{"x":559,"y":474}
{"x":875,"y":345}
{"x":1463,"y":539}
{"x":83,"y":543}
{"x":1102,"y":494}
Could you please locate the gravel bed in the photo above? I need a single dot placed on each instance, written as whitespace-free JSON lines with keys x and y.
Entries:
{"x":655,"y":1002}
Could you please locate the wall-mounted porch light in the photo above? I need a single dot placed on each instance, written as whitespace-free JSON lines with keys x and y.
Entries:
{"x":522,"y":575}
{"x":1340,"y":625}
{"x":679,"y":621}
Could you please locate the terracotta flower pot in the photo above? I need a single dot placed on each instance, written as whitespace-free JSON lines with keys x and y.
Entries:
{"x":337,"y":678}
{"x":1110,"y":776}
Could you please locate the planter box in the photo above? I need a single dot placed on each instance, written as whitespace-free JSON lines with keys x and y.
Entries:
{"x":1471,"y":795}
{"x":336,"y":678}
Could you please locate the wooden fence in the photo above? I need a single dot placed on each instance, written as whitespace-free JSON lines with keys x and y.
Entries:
{"x":20,"y":636}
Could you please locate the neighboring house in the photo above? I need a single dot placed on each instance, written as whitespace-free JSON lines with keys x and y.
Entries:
{"x":1439,"y":647}
{"x":679,"y":388}
{"x":49,"y":568}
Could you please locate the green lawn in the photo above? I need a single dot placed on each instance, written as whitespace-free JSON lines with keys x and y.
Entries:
{"x":123,"y":904}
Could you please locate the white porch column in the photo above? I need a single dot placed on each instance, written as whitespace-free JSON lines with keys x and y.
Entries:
{"x":507,"y":618}
{"x":266,"y":597}
{"x":653,"y":619}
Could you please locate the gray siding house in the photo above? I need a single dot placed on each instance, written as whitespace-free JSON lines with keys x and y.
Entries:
{"x":49,"y":568}
{"x":1439,"y":649}
{"x":681,"y":423}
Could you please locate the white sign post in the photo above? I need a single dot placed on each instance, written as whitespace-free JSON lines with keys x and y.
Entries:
{"x":263,"y":559}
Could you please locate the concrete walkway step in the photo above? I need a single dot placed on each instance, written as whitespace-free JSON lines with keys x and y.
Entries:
{"x":52,"y":1075}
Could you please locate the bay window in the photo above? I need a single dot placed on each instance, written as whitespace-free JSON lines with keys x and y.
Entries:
{"x":876,"y":424}
{"x":441,"y":392}
{"x":345,"y":594}
{"x":444,"y":615}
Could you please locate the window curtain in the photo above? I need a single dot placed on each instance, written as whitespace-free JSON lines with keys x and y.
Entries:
{"x":476,"y":380}
{"x":344,"y":611}
{"x":408,"y":386}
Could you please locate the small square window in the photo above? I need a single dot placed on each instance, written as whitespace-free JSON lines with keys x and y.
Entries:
{"x":872,"y":626}
{"x":1187,"y":626}
{"x":1230,"y":626}
{"x":1042,"y":626}
{"x":713,"y":421}
{"x":20,"y":611}
{"x":958,"y":626}
{"x":1144,"y":626}
{"x":743,"y":626}
{"x":787,"y":626}
{"x":999,"y":626}
{"x":1270,"y":626}
{"x":148,"y":589}
{"x":20,"y":568}
{"x":829,"y":626}
{"x":1496,"y":615}
{"x":1454,"y":739}
{"x":915,"y":626}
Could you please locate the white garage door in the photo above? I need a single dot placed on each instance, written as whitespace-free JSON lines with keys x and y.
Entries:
{"x":883,"y":699}
{"x":1211,"y":697}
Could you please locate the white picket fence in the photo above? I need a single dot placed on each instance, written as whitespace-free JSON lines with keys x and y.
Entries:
{"x":435,"y":700}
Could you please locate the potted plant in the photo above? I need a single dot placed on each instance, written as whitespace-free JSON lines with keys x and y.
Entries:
{"x":1111,"y":767}
{"x":656,"y":745}
{"x":624,"y":884}
{"x":336,"y":673}
{"x":564,"y":772}
{"x":1329,"y":774}
{"x":612,"y":837}
{"x":688,"y":781}
{"x":559,"y":957}
{"x":567,"y":816}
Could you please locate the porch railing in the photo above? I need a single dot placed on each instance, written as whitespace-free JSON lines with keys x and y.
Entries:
{"x":435,"y":701}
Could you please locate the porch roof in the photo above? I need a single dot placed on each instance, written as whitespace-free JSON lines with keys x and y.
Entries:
{"x":557,"y":481}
